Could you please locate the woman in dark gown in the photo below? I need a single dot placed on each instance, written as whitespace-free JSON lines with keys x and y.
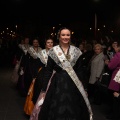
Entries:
{"x":39,"y":81}
{"x":43,"y":56}
{"x":16,"y":62}
{"x":63,"y":100}
{"x":24,"y":58}
{"x":31,"y":72}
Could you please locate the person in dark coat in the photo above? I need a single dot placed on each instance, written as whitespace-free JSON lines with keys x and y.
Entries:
{"x":24,"y":58}
{"x":85,"y":62}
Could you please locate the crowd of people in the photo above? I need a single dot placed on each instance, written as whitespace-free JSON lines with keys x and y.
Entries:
{"x":61,"y":81}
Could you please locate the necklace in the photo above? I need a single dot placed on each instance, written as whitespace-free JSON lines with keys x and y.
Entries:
{"x":68,"y":56}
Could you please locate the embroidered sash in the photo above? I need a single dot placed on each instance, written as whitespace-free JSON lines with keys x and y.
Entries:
{"x":25,"y":49}
{"x":33,"y":53}
{"x":67,"y":66}
{"x":43,"y":56}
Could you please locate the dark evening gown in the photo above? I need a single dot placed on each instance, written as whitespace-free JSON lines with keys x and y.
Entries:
{"x":38,"y":84}
{"x":31,"y":67}
{"x":63,"y":100}
{"x":23,"y":55}
{"x":39,"y":81}
{"x":35,"y":65}
{"x":28,"y":75}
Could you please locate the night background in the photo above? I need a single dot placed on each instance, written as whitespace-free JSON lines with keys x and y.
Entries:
{"x":90,"y":20}
{"x":41,"y":18}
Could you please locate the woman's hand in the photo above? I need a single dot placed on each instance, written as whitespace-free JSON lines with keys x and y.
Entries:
{"x":42,"y":94}
{"x":116,"y":94}
{"x":86,"y":93}
{"x":42,"y":97}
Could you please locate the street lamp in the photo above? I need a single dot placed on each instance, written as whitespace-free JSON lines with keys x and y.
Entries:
{"x":95,"y":25}
{"x":16,"y":29}
{"x":95,"y":32}
{"x":53,"y":32}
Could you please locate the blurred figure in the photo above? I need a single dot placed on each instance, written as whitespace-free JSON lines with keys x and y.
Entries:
{"x":24,"y":65}
{"x":34,"y":65}
{"x":114,"y":66}
{"x":16,"y":62}
{"x":96,"y":70}
{"x":86,"y":57}
{"x":81,"y":47}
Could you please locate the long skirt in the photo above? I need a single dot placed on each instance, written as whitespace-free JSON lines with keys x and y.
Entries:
{"x":37,"y":107}
{"x":29,"y":105}
{"x":15,"y":75}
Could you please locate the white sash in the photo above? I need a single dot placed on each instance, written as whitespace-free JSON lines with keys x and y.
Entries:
{"x":43,"y":56}
{"x":67,"y":66}
{"x":24,"y":48}
{"x":20,"y":46}
{"x":117,"y":77}
{"x":33,"y":53}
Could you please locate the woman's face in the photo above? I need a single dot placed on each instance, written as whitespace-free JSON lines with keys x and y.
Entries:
{"x":109,"y":48}
{"x":22,"y":41}
{"x":26,"y":41}
{"x":81,"y":47}
{"x":114,"y":44}
{"x":98,"y":50}
{"x":35,"y":43}
{"x":117,"y":49}
{"x":49,"y":44}
{"x":65,"y":36}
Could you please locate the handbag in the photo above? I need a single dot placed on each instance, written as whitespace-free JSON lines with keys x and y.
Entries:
{"x":105,"y":80}
{"x":106,"y":76}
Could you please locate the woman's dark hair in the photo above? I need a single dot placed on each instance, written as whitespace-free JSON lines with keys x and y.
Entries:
{"x":48,"y":39}
{"x":88,"y":47}
{"x":59,"y":31}
{"x":118,"y":45}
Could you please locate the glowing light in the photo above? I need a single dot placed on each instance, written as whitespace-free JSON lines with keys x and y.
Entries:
{"x":96,"y":0}
{"x":103,"y":25}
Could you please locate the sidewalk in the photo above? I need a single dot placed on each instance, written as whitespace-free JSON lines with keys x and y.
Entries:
{"x":11,"y":103}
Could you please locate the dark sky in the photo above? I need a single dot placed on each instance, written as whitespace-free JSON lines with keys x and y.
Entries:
{"x":18,"y":10}
{"x":49,"y":12}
